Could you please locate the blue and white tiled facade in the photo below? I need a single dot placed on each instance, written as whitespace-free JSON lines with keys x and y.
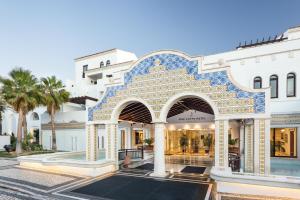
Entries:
{"x":176,"y":62}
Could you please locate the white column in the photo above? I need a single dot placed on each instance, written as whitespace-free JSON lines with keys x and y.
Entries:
{"x":267,"y":147}
{"x":159,"y":148}
{"x":221,"y":144}
{"x":242,"y":148}
{"x":91,"y":142}
{"x":249,"y":148}
{"x":112,"y":143}
{"x":256,"y":145}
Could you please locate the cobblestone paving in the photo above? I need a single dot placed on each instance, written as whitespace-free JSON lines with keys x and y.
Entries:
{"x":35,"y":177}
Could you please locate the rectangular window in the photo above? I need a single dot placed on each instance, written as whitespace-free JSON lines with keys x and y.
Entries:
{"x":291,"y":86}
{"x":138,"y":135}
{"x":274,"y":88}
{"x":84,"y":69}
{"x":283,"y":142}
{"x":257,"y":85}
{"x":123,"y":136}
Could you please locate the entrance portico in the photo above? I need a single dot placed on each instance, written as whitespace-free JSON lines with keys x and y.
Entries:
{"x":161,"y":79}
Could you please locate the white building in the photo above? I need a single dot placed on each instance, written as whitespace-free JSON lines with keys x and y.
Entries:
{"x":219,"y":108}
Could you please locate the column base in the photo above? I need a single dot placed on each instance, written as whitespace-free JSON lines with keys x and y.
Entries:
{"x":160,"y":175}
{"x":225,"y":170}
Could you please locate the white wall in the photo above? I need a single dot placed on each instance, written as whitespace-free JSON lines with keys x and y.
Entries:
{"x":278,"y":58}
{"x":65,"y":117}
{"x":66,"y":140}
{"x":4,"y":140}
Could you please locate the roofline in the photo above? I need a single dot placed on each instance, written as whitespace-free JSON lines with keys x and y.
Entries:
{"x":97,"y":53}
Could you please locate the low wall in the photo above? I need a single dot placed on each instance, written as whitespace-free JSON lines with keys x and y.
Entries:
{"x":4,"y":140}
{"x":50,"y":163}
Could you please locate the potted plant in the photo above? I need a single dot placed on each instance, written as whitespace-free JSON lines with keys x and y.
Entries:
{"x":195,"y":144}
{"x":207,"y":141}
{"x":184,"y":143}
{"x":149,"y":143}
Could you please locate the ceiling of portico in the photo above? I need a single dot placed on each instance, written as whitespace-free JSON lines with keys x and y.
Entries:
{"x":138,"y":112}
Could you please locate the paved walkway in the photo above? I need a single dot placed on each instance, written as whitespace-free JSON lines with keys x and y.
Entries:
{"x":18,"y":183}
{"x":24,"y":184}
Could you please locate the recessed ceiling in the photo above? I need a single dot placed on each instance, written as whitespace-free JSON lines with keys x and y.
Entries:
{"x":190,"y":104}
{"x":138,"y":112}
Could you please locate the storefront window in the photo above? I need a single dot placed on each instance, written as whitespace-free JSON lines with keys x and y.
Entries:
{"x":198,"y":142}
{"x":284,"y":142}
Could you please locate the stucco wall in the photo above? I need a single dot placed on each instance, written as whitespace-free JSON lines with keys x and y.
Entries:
{"x":66,"y":140}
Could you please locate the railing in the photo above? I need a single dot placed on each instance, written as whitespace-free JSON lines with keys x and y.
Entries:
{"x":234,"y":162}
{"x":132,"y":153}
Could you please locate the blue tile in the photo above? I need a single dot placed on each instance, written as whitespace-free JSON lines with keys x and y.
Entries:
{"x":172,"y":62}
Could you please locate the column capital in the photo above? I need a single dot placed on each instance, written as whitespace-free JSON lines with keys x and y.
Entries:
{"x":112,"y":123}
{"x":159,"y":122}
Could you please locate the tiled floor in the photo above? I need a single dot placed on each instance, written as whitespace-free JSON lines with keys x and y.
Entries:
{"x":35,"y":177}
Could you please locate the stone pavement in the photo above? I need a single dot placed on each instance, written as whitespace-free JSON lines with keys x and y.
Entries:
{"x":19,"y":183}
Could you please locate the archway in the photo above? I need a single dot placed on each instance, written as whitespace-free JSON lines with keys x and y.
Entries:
{"x":135,"y":131}
{"x":190,"y":133}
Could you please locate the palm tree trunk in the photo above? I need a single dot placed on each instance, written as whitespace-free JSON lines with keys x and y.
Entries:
{"x":0,"y":122}
{"x":19,"y":133}
{"x":24,"y":126}
{"x":54,"y":148}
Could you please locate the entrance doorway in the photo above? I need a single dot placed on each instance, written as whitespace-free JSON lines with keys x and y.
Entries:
{"x":189,"y":137}
{"x":134,"y":120}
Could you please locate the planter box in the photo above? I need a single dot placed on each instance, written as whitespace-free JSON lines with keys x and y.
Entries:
{"x":4,"y":140}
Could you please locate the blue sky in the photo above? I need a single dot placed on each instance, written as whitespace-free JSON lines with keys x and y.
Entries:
{"x":46,"y":36}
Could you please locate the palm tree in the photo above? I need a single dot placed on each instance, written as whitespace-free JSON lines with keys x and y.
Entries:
{"x":54,"y":97}
{"x":21,"y":92}
{"x":2,"y":109}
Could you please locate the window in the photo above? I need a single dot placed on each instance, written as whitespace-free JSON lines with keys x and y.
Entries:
{"x":283,"y":142}
{"x":257,"y":82}
{"x":107,"y":62}
{"x":291,"y":85}
{"x":138,"y":137}
{"x":35,"y":116}
{"x":84,"y":69}
{"x":102,"y":142}
{"x":274,"y":86}
{"x":101,"y":64}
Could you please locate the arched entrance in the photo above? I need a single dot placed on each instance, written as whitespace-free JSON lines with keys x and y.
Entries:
{"x":134,"y":129}
{"x":190,"y":133}
{"x":165,"y":79}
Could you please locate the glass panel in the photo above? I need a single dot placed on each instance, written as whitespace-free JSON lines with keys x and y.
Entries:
{"x":273,"y":84}
{"x":138,"y":137}
{"x":198,"y":142}
{"x":257,"y":85}
{"x":290,"y":87}
{"x":284,"y":142}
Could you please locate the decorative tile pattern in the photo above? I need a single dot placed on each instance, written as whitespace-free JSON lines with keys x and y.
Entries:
{"x":157,"y":78}
{"x":108,"y":128}
{"x":221,"y":143}
{"x":249,"y":149}
{"x":95,"y":136}
{"x":88,"y":142}
{"x":115,"y":142}
{"x":262,"y":146}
